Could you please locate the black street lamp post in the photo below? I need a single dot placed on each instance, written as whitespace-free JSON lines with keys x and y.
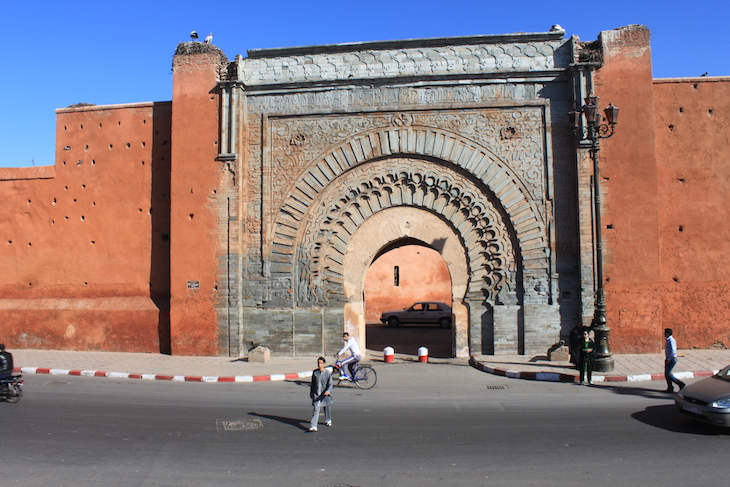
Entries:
{"x":593,"y":131}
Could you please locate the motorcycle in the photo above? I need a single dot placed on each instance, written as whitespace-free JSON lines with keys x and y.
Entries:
{"x":10,"y":388}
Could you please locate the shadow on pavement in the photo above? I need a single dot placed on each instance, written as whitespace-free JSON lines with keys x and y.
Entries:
{"x":407,"y":339}
{"x":668,"y":418}
{"x":298,"y":423}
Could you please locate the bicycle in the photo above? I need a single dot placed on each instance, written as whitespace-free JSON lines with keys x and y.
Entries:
{"x":363,"y":375}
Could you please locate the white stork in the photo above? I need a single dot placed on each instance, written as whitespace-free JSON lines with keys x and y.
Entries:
{"x":194,"y":35}
{"x":209,"y":39}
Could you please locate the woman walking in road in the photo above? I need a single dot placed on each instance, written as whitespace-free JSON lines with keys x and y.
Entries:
{"x":585,"y":359}
{"x":320,"y":391}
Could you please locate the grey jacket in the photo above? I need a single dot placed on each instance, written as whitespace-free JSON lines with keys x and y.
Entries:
{"x":321,"y":383}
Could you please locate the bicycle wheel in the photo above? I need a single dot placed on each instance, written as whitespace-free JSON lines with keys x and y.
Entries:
{"x":365,"y":378}
{"x":336,"y":376}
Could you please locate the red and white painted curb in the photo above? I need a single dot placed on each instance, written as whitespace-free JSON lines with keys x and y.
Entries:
{"x":558,"y":377}
{"x":173,"y":378}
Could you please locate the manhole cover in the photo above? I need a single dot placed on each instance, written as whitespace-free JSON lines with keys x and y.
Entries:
{"x":239,"y":424}
{"x":496,"y":387}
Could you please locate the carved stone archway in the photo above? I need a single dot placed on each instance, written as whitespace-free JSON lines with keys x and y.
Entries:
{"x":503,"y":234}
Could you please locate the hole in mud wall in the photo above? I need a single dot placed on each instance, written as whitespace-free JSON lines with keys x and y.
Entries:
{"x":710,"y":112}
{"x":93,"y":162}
{"x":191,"y":216}
{"x":681,"y":228}
{"x":129,"y":145}
{"x":681,"y":109}
{"x":671,"y":128}
{"x":93,"y":242}
{"x":111,"y":146}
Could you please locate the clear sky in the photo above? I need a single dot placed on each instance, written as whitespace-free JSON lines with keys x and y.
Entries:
{"x":61,"y":52}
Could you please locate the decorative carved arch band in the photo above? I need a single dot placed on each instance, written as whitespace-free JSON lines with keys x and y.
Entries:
{"x":397,"y":182}
{"x":314,"y":223}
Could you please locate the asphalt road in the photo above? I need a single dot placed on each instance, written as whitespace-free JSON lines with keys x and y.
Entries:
{"x":422,"y":425}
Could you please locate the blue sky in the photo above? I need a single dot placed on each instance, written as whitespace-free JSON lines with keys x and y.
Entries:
{"x":58,"y":53}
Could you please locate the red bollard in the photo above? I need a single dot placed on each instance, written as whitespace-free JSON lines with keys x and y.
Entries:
{"x":388,"y":355}
{"x":423,"y":354}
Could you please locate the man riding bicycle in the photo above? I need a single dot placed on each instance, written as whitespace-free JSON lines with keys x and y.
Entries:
{"x":355,"y":356}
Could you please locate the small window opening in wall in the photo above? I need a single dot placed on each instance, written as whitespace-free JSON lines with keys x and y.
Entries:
{"x":396,"y":276}
{"x":681,"y":109}
{"x":609,"y":226}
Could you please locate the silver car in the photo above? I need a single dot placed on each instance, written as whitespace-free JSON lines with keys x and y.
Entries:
{"x":422,"y":313}
{"x":707,"y":400}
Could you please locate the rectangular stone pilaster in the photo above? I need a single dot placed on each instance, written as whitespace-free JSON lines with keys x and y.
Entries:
{"x":506,"y":330}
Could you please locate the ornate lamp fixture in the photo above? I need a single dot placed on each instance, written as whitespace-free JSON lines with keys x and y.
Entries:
{"x":592,"y":130}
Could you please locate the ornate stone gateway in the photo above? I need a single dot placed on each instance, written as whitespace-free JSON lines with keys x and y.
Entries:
{"x":345,"y":149}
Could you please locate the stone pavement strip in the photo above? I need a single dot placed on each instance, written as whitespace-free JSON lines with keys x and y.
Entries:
{"x":149,"y":366}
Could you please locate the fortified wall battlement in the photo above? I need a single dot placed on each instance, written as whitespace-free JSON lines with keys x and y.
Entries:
{"x":253,"y":208}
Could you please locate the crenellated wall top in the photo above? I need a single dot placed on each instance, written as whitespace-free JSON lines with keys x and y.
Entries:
{"x":526,"y":54}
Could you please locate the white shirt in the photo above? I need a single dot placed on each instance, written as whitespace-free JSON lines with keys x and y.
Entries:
{"x":350,"y":344}
{"x":670,"y":347}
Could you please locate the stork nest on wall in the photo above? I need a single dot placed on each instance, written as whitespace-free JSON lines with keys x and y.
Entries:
{"x":187,"y":48}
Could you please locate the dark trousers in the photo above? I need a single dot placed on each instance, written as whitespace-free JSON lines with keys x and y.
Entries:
{"x":585,"y":365}
{"x":668,"y":367}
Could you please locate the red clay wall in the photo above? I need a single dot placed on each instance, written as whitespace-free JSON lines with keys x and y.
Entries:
{"x":84,"y":243}
{"x":629,"y":185}
{"x":195,"y":176}
{"x":693,"y":149}
{"x":423,"y":276}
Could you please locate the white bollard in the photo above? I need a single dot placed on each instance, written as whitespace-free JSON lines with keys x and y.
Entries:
{"x":388,"y":355}
{"x":423,"y":354}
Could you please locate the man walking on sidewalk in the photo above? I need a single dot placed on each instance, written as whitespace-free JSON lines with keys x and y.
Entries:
{"x":670,"y":353}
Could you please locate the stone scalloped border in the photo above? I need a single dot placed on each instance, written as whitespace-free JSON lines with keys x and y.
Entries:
{"x":558,"y":377}
{"x":173,"y":378}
